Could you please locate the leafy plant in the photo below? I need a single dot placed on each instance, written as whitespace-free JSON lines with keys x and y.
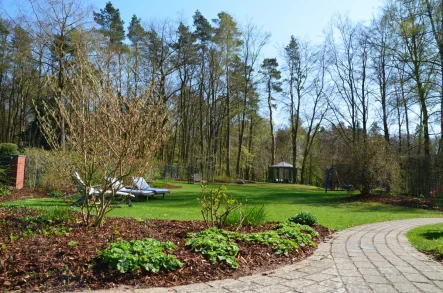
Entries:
{"x":73,"y":243}
{"x":4,"y":190}
{"x":55,"y":193}
{"x":217,"y":245}
{"x":304,"y":218}
{"x":60,"y":231}
{"x":247,"y":217}
{"x":136,"y":254}
{"x":216,"y":205}
{"x":286,"y":237}
{"x":302,"y":234}
{"x":58,"y":215}
{"x":272,"y":238}
{"x":13,"y":237}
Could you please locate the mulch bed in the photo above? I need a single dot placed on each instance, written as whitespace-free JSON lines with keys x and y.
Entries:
{"x":406,"y":201}
{"x":52,"y":263}
{"x":28,"y":192}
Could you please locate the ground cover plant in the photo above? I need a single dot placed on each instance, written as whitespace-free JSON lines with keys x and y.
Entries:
{"x":52,"y":250}
{"x":136,"y":254}
{"x":428,"y":239}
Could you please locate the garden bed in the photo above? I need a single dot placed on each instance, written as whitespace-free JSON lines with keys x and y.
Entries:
{"x":37,"y":192}
{"x":405,"y":201}
{"x":39,"y":254}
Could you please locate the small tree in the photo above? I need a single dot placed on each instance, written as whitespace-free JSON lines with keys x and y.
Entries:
{"x":108,"y":133}
{"x":375,"y":165}
{"x":216,"y":205}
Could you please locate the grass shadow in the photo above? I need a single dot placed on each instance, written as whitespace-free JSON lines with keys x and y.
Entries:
{"x":432,"y":234}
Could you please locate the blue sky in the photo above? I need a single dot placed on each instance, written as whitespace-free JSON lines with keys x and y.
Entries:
{"x":282,"y":18}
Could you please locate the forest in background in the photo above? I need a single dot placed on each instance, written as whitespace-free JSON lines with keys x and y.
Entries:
{"x":369,"y":98}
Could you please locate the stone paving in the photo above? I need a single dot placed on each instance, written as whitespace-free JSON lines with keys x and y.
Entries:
{"x":369,"y":258}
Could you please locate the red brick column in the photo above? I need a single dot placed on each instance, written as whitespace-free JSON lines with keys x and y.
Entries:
{"x":17,"y":170}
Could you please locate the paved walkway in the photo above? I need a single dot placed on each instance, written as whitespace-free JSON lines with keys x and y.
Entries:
{"x":369,"y":258}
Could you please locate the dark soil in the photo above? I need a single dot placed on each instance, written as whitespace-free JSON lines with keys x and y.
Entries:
{"x":434,"y":255}
{"x":406,"y":201}
{"x":32,"y":258}
{"x":38,"y":192}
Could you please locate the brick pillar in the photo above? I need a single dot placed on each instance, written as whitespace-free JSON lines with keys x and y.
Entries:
{"x":17,"y":171}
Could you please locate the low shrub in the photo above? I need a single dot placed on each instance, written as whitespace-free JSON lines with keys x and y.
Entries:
{"x":216,"y":205}
{"x":4,"y":177}
{"x":304,"y":218}
{"x":8,"y":149}
{"x":4,"y":190}
{"x":55,"y":192}
{"x":137,"y":254}
{"x":49,"y":168}
{"x":217,"y":245}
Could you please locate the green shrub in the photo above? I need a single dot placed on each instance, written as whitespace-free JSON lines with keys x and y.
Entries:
{"x":55,"y":193}
{"x":217,"y":245}
{"x":254,"y":216}
{"x":304,"y":218}
{"x":216,"y":206}
{"x":8,"y":149}
{"x":136,"y":254}
{"x":49,"y":168}
{"x":4,"y":190}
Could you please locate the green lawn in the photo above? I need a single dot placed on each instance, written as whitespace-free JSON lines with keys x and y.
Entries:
{"x":281,"y":201}
{"x":427,"y":238}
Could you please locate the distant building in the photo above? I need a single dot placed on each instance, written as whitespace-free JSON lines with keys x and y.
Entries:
{"x":281,"y":173}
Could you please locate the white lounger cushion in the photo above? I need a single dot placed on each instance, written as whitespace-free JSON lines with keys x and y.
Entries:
{"x":141,"y":184}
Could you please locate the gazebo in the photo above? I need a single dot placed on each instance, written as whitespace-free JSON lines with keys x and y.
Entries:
{"x":281,"y":173}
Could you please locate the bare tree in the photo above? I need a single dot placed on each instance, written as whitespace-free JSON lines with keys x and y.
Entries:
{"x":299,"y":66}
{"x":108,"y":134}
{"x":253,"y":42}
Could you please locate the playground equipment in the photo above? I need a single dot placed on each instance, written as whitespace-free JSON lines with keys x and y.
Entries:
{"x":436,"y":190}
{"x":344,"y":186}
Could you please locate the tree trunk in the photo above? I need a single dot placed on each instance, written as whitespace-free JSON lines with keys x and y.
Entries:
{"x":271,"y":124}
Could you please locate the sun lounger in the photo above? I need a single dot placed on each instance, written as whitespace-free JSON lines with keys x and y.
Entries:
{"x":93,"y":193}
{"x":138,"y":192}
{"x":142,"y":185}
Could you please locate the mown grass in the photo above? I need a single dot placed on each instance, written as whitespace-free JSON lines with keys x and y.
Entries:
{"x":427,"y":238}
{"x":281,"y":201}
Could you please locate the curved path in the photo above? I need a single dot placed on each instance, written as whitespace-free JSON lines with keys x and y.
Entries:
{"x":369,"y":258}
